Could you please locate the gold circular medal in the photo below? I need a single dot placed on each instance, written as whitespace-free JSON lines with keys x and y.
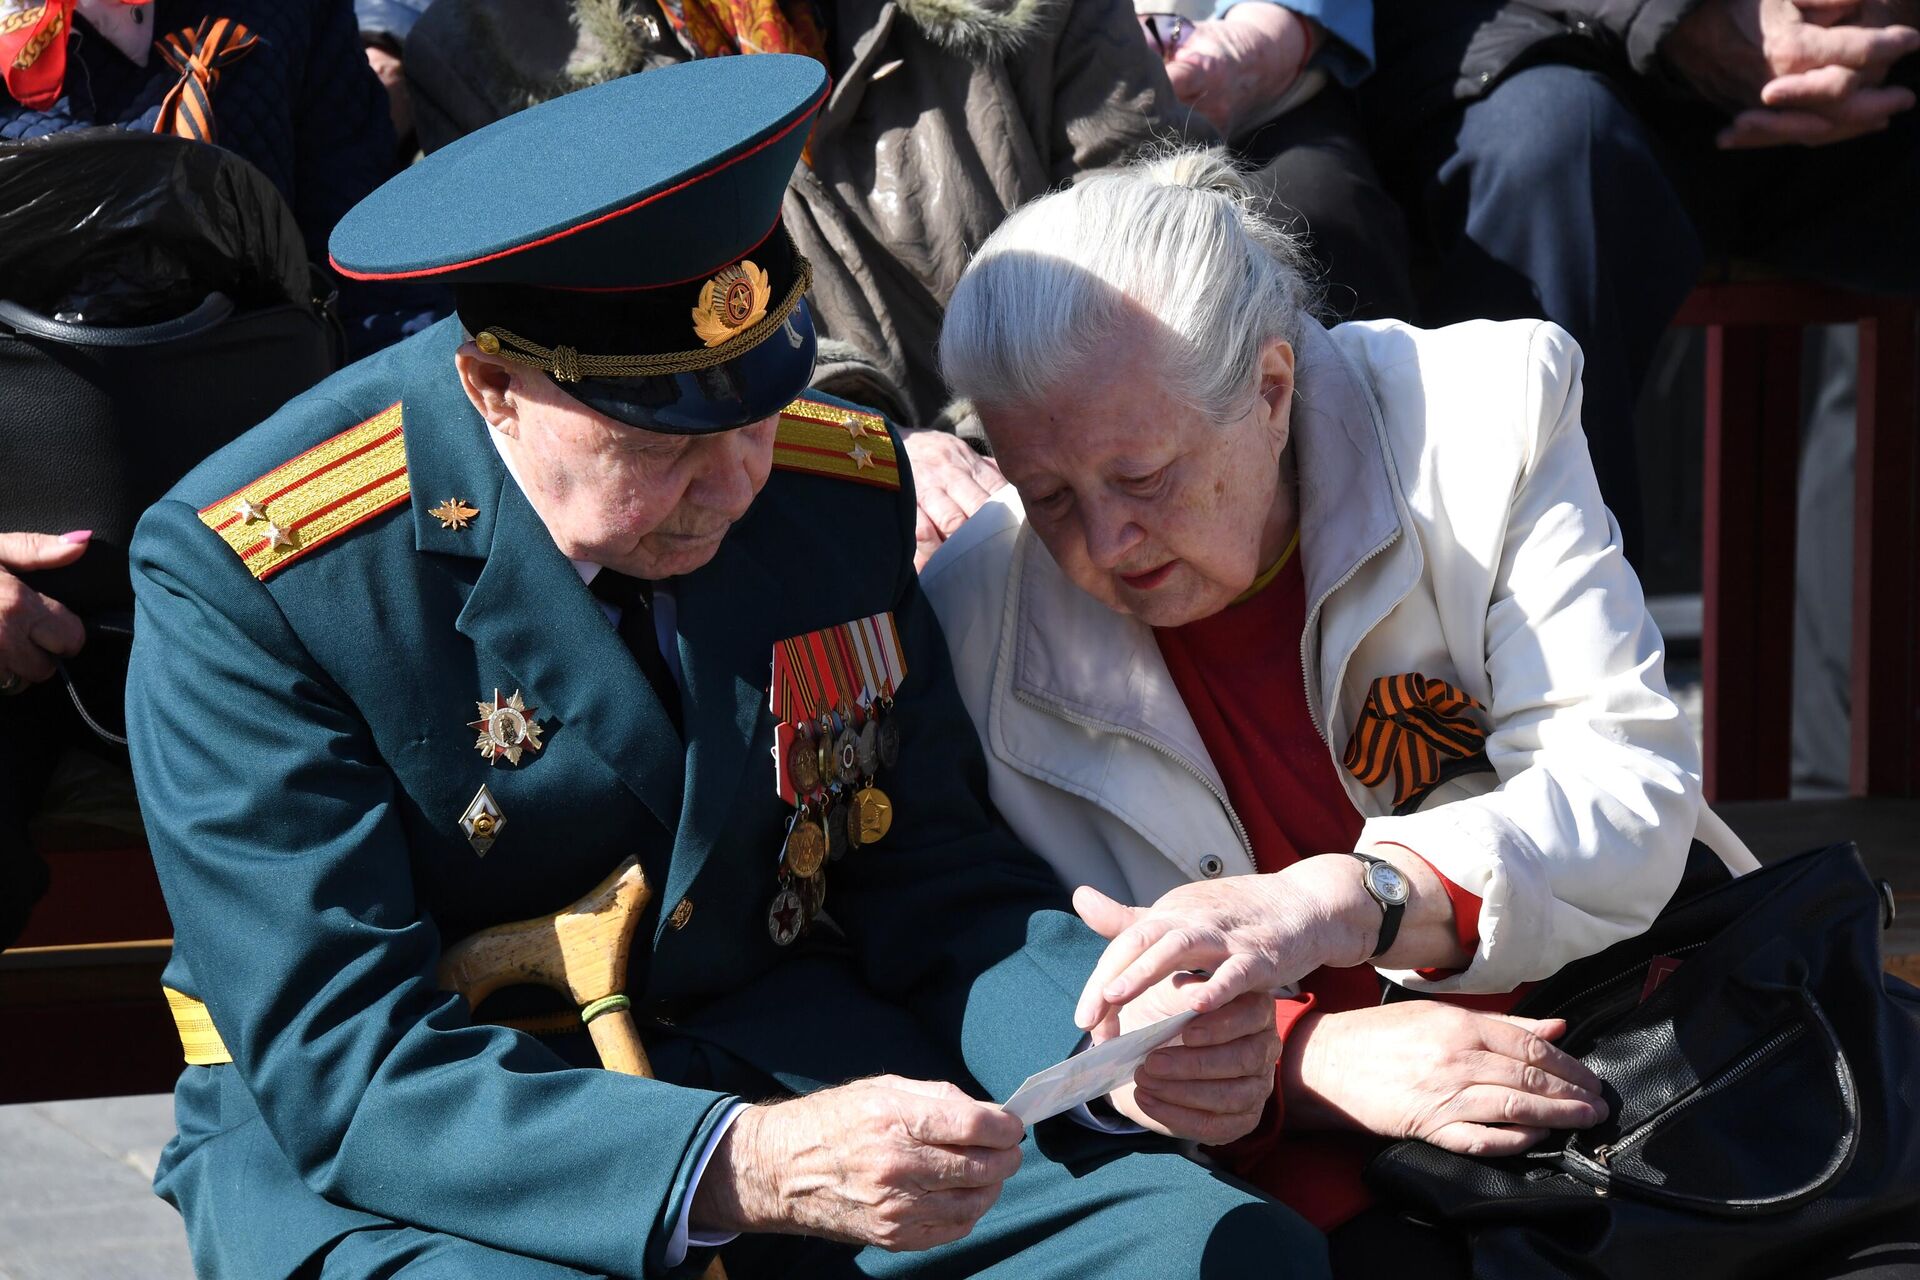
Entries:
{"x":871,"y":816}
{"x":803,"y":764}
{"x":806,"y":847}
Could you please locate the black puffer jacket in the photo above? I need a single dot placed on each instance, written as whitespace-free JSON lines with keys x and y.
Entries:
{"x":1434,"y":52}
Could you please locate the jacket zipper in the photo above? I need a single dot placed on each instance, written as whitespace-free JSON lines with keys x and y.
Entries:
{"x":1307,"y":665}
{"x":1102,"y":726}
{"x":1732,"y":1075}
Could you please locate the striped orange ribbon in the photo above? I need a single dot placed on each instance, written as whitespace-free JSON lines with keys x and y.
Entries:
{"x":199,"y":54}
{"x":1410,"y":729}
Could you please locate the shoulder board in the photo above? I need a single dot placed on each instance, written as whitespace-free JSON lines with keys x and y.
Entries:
{"x":299,"y":505}
{"x":830,"y":440}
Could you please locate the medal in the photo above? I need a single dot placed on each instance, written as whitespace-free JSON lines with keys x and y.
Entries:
{"x":867,"y":745}
{"x":506,"y":728}
{"x":888,"y":741}
{"x":806,"y":849}
{"x":838,"y":839}
{"x":803,"y":763}
{"x":870,"y":817}
{"x":813,"y":897}
{"x":482,"y":821}
{"x":786,"y":917}
{"x":846,"y":756}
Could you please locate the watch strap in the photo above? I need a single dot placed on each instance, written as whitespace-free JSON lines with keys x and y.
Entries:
{"x":1390,"y":912}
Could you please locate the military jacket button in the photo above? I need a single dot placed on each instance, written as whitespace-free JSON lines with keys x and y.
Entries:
{"x":681,"y":914}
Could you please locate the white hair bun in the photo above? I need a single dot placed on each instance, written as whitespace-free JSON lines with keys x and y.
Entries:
{"x":1199,"y":169}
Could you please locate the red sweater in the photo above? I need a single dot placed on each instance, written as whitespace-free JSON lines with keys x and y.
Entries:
{"x":1239,"y":674}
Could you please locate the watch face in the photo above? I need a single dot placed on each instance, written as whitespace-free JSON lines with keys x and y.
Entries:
{"x":1387,"y":881}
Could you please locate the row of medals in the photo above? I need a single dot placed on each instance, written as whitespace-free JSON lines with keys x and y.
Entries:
{"x":832,"y":764}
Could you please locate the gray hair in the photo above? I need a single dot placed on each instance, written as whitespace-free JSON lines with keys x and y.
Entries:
{"x":1178,"y":236}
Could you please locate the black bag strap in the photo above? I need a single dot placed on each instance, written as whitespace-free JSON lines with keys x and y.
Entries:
{"x":118,"y":623}
{"x":212,"y":311}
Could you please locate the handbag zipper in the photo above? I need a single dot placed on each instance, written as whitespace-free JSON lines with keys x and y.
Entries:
{"x":1597,"y":987}
{"x":1732,"y":1075}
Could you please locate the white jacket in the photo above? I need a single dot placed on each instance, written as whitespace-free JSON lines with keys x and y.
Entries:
{"x":1451,"y":526}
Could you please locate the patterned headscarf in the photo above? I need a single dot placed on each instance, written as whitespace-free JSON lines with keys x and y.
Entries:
{"x":33,"y":48}
{"x":716,"y":27}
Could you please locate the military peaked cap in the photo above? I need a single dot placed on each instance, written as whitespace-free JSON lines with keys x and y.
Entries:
{"x":625,"y":239}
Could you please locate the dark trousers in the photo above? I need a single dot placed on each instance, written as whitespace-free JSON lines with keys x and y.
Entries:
{"x":1314,"y":166}
{"x":1572,"y":196}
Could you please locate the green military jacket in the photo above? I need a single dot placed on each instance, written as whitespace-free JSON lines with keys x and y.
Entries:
{"x":302,"y":742}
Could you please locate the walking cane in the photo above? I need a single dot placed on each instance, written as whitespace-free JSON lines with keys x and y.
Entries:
{"x":581,"y":950}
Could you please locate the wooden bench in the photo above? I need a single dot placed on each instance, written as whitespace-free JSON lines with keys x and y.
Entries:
{"x":80,"y":988}
{"x":1752,"y":482}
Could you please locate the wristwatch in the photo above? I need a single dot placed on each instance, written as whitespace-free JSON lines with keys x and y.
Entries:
{"x":1389,"y":888}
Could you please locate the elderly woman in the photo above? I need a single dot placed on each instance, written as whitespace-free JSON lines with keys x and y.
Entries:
{"x":1321,"y":642}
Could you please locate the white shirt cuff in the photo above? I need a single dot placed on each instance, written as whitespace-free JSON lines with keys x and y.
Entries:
{"x":683,"y":1237}
{"x":1083,"y":1115}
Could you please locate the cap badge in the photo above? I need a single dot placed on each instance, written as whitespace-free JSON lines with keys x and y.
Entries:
{"x":506,"y":728}
{"x":733,"y":299}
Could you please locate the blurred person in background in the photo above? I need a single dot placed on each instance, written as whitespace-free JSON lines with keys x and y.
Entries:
{"x":1276,"y":80}
{"x":943,"y":118}
{"x":282,"y":83}
{"x":384,"y":25}
{"x":1583,"y":160}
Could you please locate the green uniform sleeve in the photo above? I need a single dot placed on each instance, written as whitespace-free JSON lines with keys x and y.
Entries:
{"x":277,"y":831}
{"x":951,"y":914}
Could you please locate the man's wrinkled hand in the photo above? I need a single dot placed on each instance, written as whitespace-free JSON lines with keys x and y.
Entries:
{"x":1810,"y":72}
{"x":950,"y":481}
{"x":1211,"y":1087}
{"x":902,"y":1164}
{"x":1231,"y":67}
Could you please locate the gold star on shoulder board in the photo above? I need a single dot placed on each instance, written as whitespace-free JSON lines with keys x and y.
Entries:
{"x":861,"y":458}
{"x":248,"y":512}
{"x":278,"y":538}
{"x":454,"y":513}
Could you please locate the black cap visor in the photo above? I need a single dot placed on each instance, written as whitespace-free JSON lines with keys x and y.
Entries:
{"x":746,"y":389}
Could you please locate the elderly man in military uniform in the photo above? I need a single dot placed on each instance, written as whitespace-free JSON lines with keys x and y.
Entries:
{"x":572,"y":579}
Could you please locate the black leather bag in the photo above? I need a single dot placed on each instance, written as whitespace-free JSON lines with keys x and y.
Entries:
{"x":1763,"y":1096}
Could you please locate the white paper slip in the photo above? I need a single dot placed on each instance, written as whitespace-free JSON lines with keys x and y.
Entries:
{"x":1086,"y":1076}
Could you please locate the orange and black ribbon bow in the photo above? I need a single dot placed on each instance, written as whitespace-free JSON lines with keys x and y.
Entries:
{"x":1415,"y":730}
{"x":199,"y":54}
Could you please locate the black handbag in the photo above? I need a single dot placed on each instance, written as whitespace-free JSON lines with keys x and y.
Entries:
{"x":1762,"y":1096}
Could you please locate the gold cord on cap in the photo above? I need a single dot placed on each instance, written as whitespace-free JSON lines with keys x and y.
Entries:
{"x":569,"y":365}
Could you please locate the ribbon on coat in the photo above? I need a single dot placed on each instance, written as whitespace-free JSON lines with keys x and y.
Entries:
{"x":1411,"y":729}
{"x":199,"y":54}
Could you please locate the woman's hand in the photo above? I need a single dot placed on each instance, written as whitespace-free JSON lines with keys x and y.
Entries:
{"x":1480,"y":1084}
{"x":1262,"y":932}
{"x":1211,"y":1087}
{"x":34,"y":629}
